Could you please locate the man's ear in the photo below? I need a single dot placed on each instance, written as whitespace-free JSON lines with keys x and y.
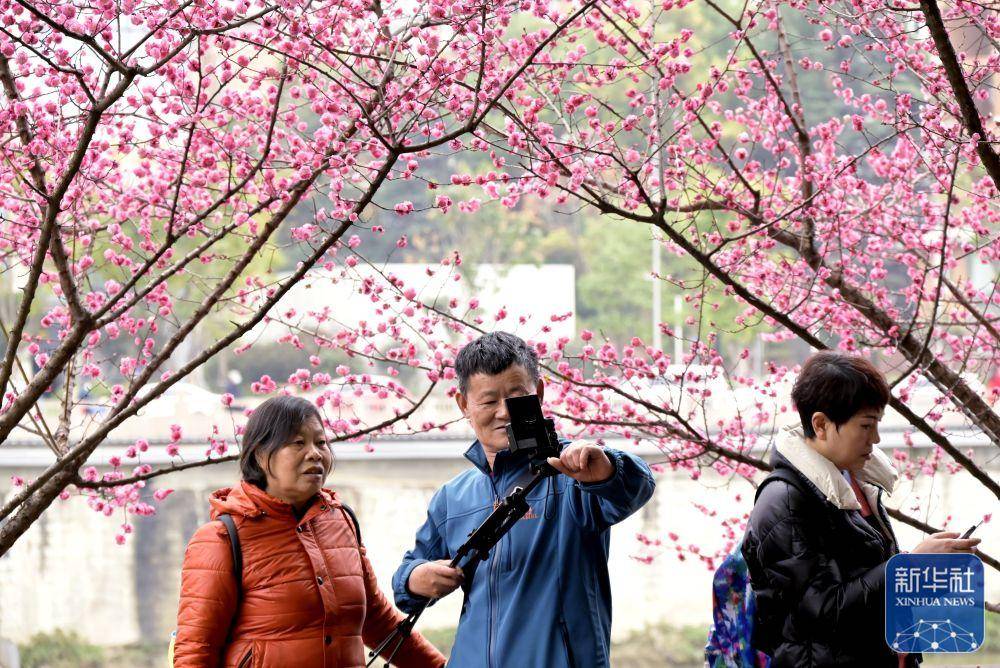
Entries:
{"x":820,"y":423}
{"x":540,"y":390}
{"x":463,"y":403}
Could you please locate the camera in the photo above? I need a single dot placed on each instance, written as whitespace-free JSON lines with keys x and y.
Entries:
{"x":531,"y":432}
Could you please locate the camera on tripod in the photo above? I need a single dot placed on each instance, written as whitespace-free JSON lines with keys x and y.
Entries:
{"x":531,"y":432}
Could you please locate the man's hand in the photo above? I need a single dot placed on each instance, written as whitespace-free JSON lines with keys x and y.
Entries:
{"x":435,"y":579}
{"x":945,"y":542}
{"x":583,"y":462}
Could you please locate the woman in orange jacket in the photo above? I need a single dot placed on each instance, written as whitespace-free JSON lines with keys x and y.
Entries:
{"x":308,"y":597}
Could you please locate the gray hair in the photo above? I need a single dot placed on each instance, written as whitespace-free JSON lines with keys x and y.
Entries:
{"x":492,"y":354}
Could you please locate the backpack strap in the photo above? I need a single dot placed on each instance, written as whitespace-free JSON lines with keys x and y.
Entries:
{"x":783,"y":475}
{"x":237,"y":551}
{"x":814,"y":506}
{"x":354,"y":518}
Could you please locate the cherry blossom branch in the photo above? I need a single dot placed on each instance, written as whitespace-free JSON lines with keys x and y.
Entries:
{"x":102,"y":315}
{"x":797,"y":113}
{"x":977,"y":315}
{"x":81,"y":483}
{"x":960,"y":87}
{"x":41,"y":248}
{"x":83,"y":321}
{"x":79,"y":37}
{"x":198,"y":32}
{"x":918,"y":354}
{"x":690,"y":435}
{"x":740,"y":290}
{"x":17,"y":409}
{"x":37,"y":497}
{"x":106,"y":484}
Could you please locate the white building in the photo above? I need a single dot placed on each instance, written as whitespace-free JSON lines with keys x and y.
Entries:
{"x":537,"y":293}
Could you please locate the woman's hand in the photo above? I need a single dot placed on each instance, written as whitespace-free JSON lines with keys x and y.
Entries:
{"x":435,"y":579}
{"x":944,"y":542}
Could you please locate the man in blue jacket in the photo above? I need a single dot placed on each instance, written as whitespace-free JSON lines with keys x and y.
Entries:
{"x":543,"y":597}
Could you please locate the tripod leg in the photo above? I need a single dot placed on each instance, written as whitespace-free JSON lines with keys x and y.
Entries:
{"x":392,"y":655}
{"x":399,"y":634}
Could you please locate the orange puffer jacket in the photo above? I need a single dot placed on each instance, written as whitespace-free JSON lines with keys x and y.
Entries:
{"x":310,"y":598}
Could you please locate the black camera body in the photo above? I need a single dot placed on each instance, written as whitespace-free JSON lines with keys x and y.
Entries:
{"x":531,"y":432}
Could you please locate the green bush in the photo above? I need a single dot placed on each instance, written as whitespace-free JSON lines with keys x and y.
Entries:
{"x":443,"y":639}
{"x":657,"y":645}
{"x":140,"y":655}
{"x":60,"y":650}
{"x":661,"y":645}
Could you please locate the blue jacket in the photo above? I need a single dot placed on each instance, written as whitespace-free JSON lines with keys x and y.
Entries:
{"x":543,"y":597}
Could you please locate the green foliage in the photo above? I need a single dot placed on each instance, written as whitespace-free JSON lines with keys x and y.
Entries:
{"x":613,"y":286}
{"x":60,"y":650}
{"x":443,"y":639}
{"x":661,"y":645}
{"x":656,"y":645}
{"x":139,"y":655}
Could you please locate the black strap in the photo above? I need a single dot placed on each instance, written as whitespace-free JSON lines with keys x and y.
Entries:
{"x":783,"y":475}
{"x":237,"y":551}
{"x":354,"y":518}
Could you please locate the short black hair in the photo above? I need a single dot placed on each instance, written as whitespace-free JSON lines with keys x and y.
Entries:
{"x":839,"y":386}
{"x":494,"y":353}
{"x":270,"y":427}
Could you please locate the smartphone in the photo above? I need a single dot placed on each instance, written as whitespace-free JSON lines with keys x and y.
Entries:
{"x":971,"y":529}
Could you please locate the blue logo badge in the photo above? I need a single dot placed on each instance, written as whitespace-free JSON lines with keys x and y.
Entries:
{"x":935,"y":603}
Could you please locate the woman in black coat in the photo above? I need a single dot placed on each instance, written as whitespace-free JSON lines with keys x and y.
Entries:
{"x":819,"y":538}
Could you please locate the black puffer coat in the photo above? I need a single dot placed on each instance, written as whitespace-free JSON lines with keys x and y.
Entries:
{"x":818,"y":572}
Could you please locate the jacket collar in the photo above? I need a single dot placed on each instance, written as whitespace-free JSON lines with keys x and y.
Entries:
{"x":827,"y":478}
{"x":248,"y":500}
{"x":477,"y":456}
{"x":505,"y":460}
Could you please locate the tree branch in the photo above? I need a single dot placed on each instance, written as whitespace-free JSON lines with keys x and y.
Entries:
{"x":104,"y":484}
{"x":956,"y":77}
